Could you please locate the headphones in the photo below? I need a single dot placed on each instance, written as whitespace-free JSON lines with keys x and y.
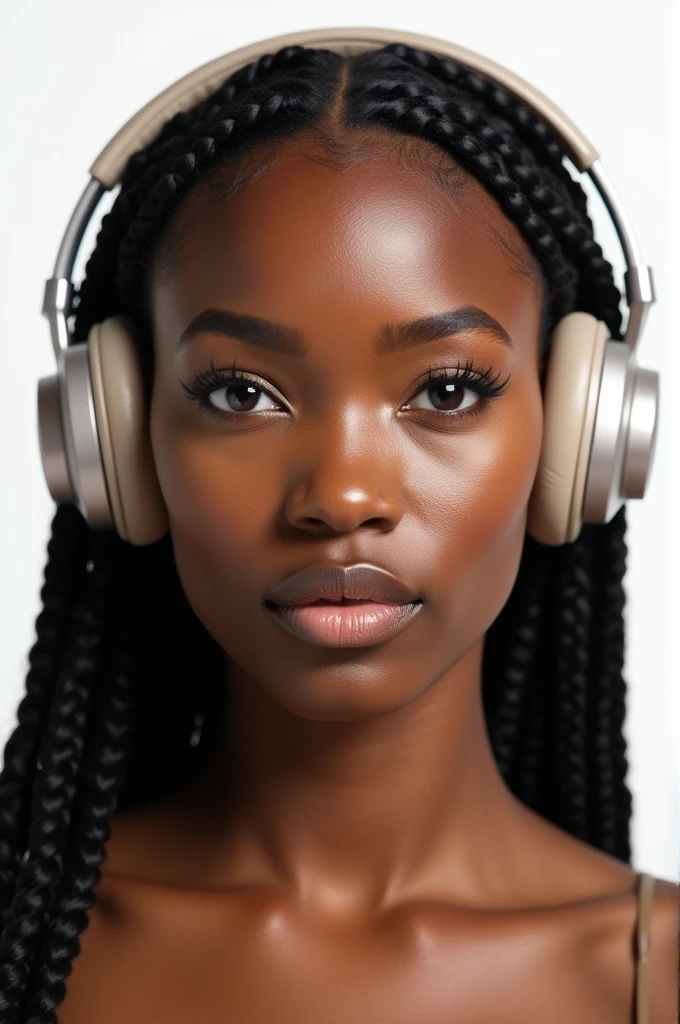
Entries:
{"x":600,"y":408}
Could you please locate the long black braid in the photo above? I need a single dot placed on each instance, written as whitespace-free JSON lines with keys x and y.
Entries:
{"x":108,"y":719}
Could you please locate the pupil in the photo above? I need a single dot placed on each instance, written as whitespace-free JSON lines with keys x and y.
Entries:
{"x":238,"y":404}
{"x":449,"y":392}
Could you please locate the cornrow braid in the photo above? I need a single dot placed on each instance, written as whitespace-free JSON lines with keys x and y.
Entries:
{"x":540,"y":139}
{"x":512,"y":659}
{"x":572,"y":685}
{"x":610,"y":814}
{"x":536,"y":134}
{"x":55,"y":789}
{"x":107,"y":706}
{"x":154,"y":183}
{"x":63,"y":574}
{"x":537,"y":203}
{"x":102,"y":778}
{"x":172,"y":138}
{"x":170,"y":189}
{"x":530,"y":736}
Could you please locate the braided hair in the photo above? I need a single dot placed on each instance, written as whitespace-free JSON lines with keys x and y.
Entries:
{"x":107,"y":720}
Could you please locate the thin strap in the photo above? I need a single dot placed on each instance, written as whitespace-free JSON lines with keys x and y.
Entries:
{"x":644,"y":920}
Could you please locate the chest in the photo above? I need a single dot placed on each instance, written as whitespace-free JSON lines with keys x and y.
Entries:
{"x":255,"y":960}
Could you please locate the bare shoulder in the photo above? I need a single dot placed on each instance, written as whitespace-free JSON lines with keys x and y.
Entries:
{"x":603,"y":890}
{"x":664,"y":958}
{"x":602,"y":945}
{"x":612,"y":923}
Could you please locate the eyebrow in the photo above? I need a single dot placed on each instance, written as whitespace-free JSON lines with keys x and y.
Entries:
{"x":392,"y":337}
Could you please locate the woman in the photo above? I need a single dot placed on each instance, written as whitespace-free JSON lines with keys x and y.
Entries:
{"x":225,"y":802}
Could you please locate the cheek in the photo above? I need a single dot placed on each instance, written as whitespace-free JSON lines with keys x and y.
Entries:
{"x":504,"y":473}
{"x":216,"y":487}
{"x":213,"y":498}
{"x":481,"y":520}
{"x":220,"y":500}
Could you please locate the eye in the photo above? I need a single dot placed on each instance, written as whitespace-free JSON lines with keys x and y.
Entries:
{"x":240,"y":397}
{"x":457,"y":392}
{"x":230,"y":394}
{"x":445,"y":395}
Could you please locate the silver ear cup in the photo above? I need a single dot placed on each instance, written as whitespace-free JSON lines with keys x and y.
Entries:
{"x":624,"y":438}
{"x":599,"y":431}
{"x":51,"y":437}
{"x":69,"y":445}
{"x":642,"y":433}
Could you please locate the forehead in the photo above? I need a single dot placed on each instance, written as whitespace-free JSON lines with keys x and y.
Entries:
{"x":304,"y":236}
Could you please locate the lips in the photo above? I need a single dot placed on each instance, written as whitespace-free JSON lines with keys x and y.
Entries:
{"x":343,"y":606}
{"x":334,"y":583}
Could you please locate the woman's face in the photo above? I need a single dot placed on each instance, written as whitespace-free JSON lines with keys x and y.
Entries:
{"x":342,"y":449}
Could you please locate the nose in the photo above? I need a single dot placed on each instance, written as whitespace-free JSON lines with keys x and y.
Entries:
{"x":343,"y":487}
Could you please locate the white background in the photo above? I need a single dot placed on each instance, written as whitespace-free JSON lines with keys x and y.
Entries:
{"x":71,"y":73}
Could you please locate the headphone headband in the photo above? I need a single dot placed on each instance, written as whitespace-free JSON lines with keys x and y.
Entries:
{"x":108,"y":168}
{"x":200,"y":83}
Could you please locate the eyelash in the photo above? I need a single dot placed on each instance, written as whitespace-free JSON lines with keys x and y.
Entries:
{"x":479,"y":381}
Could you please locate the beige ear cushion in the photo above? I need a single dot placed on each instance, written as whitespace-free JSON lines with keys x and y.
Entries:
{"x":576,"y":358}
{"x":121,"y":410}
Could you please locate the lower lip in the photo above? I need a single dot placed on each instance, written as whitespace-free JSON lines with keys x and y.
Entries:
{"x":343,"y":625}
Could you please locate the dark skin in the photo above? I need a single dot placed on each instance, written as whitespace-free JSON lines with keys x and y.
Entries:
{"x":350,"y":851}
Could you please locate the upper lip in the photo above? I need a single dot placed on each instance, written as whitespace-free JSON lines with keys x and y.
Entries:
{"x":333,"y":582}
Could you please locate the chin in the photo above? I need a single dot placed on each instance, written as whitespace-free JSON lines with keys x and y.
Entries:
{"x":344,"y":692}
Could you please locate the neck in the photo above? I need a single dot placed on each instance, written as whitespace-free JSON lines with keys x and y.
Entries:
{"x":360,"y":811}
